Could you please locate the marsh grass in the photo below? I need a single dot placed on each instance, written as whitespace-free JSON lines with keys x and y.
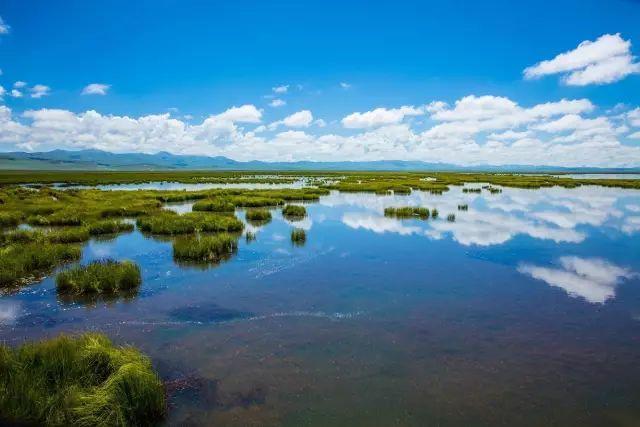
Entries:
{"x":217,"y":205}
{"x":298,"y":236}
{"x":471,"y":190}
{"x":434,"y":213}
{"x":174,"y":224}
{"x":464,"y":207}
{"x":250,"y":236}
{"x":100,"y":277}
{"x":68,"y":235}
{"x":294,"y":211}
{"x":9,"y":219}
{"x":214,"y":248}
{"x":80,"y":381}
{"x":451,"y":217}
{"x":407,"y":212}
{"x":256,"y":201}
{"x":98,"y":228}
{"x":24,"y":263}
{"x":258,"y":215}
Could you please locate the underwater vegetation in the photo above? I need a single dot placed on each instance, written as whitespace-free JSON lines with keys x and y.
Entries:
{"x":407,"y":212}
{"x":213,"y":248}
{"x":99,"y":277}
{"x":294,"y":211}
{"x":298,"y":236}
{"x":79,"y":381}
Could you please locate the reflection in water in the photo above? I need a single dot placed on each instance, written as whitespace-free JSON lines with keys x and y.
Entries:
{"x":593,"y":279}
{"x":9,"y":312}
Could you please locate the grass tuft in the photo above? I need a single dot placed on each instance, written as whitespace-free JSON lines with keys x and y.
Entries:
{"x":298,"y":236}
{"x":100,"y":277}
{"x":407,"y":212}
{"x":24,"y":263}
{"x":294,"y":211}
{"x":258,"y":215}
{"x":80,"y":381}
{"x":205,"y":248}
{"x":109,"y":227}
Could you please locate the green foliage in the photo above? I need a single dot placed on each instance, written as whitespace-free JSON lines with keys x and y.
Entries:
{"x":298,"y":236}
{"x":464,"y":207}
{"x":451,"y":217}
{"x":434,"y":213}
{"x":216,"y":205}
{"x":79,"y":381}
{"x":256,"y":201}
{"x":9,"y":219}
{"x":23,"y":263}
{"x":99,"y":277}
{"x":68,"y":235}
{"x":407,"y":212}
{"x":294,"y":211}
{"x":205,"y":248}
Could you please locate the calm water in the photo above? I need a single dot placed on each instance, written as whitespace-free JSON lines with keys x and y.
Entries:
{"x":180,"y":186}
{"x":524,"y":311}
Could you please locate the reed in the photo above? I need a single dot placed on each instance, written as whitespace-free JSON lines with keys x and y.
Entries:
{"x":298,"y":236}
{"x":81,"y":381}
{"x":407,"y":212}
{"x":258,"y":215}
{"x":434,"y":213}
{"x":109,"y":227}
{"x":173,"y":224}
{"x":451,"y":217}
{"x":217,"y":205}
{"x":464,"y":207}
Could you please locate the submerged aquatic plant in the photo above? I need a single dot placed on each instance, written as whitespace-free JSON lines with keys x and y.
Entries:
{"x":205,"y":248}
{"x":80,"y":381}
{"x":407,"y":212}
{"x":298,"y":236}
{"x":294,"y":211}
{"x":100,"y":277}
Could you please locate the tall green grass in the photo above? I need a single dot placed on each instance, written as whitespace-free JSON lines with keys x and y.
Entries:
{"x":78,"y":381}
{"x":173,"y":224}
{"x":294,"y":211}
{"x":451,"y":217}
{"x":9,"y":219}
{"x":205,"y":248}
{"x":258,"y":215}
{"x":217,"y":205}
{"x":23,"y":263}
{"x":407,"y":212}
{"x":100,"y":277}
{"x":109,"y":227}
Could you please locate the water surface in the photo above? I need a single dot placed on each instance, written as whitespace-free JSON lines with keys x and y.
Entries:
{"x":524,"y":311}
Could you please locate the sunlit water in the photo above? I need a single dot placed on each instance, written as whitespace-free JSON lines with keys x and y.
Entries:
{"x":524,"y":311}
{"x":179,"y":186}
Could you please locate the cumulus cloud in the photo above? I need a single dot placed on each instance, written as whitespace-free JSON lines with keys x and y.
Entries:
{"x":277,"y":103}
{"x":95,"y":89}
{"x":16,"y":93}
{"x":38,"y":91}
{"x":593,"y":279}
{"x":345,"y":85}
{"x":380,"y":117}
{"x":19,"y":84}
{"x":280,"y":89}
{"x":245,"y":114}
{"x":301,"y":119}
{"x":606,"y":60}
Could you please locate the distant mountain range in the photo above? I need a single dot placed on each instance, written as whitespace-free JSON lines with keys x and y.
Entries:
{"x":103,"y":160}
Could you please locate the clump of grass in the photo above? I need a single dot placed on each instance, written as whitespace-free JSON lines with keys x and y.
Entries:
{"x":256,"y":201}
{"x":80,"y":381}
{"x":250,"y":236}
{"x":217,"y":205}
{"x":99,"y":277}
{"x":451,"y":217}
{"x":298,"y":236}
{"x":205,"y":249}
{"x":464,"y":207}
{"x":402,"y":190}
{"x":294,"y":211}
{"x":65,"y":217}
{"x":173,"y":224}
{"x":68,"y":235}
{"x":109,"y":227}
{"x":23,"y":263}
{"x":9,"y":219}
{"x":434,"y":213}
{"x":258,"y":215}
{"x":407,"y":212}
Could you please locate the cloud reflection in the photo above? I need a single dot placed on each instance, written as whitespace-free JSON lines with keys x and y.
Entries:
{"x":593,"y":279}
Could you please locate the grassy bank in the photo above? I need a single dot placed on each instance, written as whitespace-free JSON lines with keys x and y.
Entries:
{"x":205,"y":248}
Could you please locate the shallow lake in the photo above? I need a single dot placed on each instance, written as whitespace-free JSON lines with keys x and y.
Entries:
{"x":180,"y":186}
{"x":524,"y":311}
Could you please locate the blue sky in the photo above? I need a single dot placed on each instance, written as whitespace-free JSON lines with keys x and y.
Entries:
{"x":194,"y":60}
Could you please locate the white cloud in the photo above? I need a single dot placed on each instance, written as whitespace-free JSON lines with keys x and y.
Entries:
{"x":2,"y":91}
{"x":19,"y":84}
{"x":635,"y":135}
{"x":277,"y":103}
{"x":606,"y":60}
{"x":4,"y":28}
{"x":592,"y":279}
{"x":280,"y":89}
{"x":634,"y":117}
{"x":300,"y":119}
{"x":95,"y":89}
{"x":345,"y":85}
{"x":16,"y":93}
{"x":38,"y":91}
{"x":245,"y":114}
{"x":380,"y":117}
